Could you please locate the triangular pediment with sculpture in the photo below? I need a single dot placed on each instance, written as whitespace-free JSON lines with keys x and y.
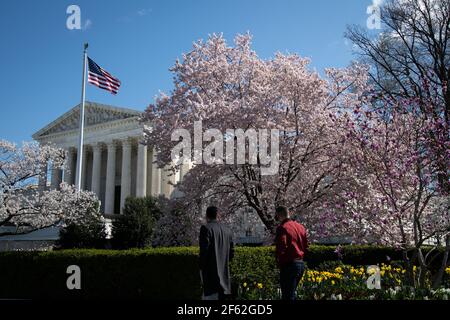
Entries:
{"x":94,"y":114}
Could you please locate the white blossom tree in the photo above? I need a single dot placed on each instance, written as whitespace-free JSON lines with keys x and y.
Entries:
{"x":23,"y":204}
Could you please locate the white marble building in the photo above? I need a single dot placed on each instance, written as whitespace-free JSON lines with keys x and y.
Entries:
{"x":115,"y":164}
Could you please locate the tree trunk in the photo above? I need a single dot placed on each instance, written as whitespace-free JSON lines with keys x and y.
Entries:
{"x":268,"y":220}
{"x":423,"y":269}
{"x":439,"y":276}
{"x":409,"y":264}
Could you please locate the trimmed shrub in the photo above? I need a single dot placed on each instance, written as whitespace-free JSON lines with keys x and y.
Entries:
{"x":155,"y":273}
{"x":175,"y":229}
{"x":91,"y":233}
{"x":169,"y":273}
{"x":134,"y":228}
{"x":352,"y":254}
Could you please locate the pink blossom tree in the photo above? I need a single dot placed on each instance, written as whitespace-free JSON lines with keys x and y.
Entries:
{"x":397,"y":198}
{"x":230,"y":87}
{"x":26,"y":207}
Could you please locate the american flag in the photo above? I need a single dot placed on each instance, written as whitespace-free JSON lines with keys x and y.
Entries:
{"x":101,"y":78}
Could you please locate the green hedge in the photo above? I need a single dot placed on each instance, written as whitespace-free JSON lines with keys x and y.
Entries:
{"x":152,"y":273}
{"x":161,"y":273}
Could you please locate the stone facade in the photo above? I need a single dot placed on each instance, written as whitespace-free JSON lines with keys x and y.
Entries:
{"x":116,"y":164}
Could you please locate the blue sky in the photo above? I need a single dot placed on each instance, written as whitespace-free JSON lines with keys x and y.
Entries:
{"x":138,"y":41}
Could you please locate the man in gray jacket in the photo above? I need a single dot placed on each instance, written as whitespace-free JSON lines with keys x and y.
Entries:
{"x":216,"y":251}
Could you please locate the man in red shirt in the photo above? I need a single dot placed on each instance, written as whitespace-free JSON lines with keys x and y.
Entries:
{"x":291,"y":244}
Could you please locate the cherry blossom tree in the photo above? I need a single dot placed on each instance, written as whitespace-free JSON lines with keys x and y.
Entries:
{"x":27,"y":207}
{"x":352,"y":162}
{"x":230,"y":87}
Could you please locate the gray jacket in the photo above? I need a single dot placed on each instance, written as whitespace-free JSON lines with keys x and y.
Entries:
{"x":216,"y":251}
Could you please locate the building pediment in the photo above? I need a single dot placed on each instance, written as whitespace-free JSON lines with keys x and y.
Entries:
{"x":95,"y":114}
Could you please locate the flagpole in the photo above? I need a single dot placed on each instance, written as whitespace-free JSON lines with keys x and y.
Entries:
{"x":80,"y":145}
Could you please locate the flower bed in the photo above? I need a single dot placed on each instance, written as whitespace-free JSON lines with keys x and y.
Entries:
{"x":172,"y":273}
{"x":346,"y":282}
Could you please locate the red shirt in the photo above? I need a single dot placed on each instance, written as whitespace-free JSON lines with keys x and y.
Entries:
{"x":291,"y":242}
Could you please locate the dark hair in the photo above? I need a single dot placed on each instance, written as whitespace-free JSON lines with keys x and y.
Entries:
{"x":283,"y":210}
{"x":211,"y":212}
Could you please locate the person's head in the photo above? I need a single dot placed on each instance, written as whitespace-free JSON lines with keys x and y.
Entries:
{"x":211,"y":213}
{"x":281,"y":213}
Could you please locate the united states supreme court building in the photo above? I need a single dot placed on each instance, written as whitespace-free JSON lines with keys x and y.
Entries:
{"x":115,"y":164}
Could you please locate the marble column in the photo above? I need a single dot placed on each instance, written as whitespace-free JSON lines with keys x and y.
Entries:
{"x":125,"y":182}
{"x":84,"y":168}
{"x":96,"y":168}
{"x":110,"y":179}
{"x":56,"y":178}
{"x":172,"y":182}
{"x":167,"y":177}
{"x":141,"y":174}
{"x":68,"y":173}
{"x":156,"y":176}
{"x":42,"y":183}
{"x":184,"y":168}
